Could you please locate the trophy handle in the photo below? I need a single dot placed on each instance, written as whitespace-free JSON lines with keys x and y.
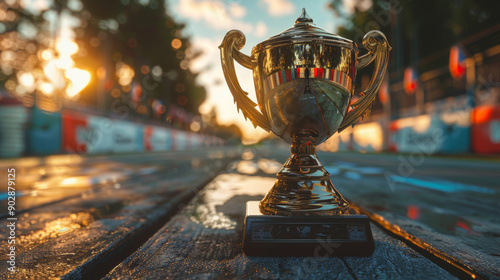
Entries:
{"x":229,"y":50}
{"x":378,"y":48}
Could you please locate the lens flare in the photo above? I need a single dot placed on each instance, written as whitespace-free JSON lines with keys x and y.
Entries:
{"x":79,"y":79}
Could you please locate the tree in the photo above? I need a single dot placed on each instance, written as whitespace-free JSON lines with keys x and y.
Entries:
{"x":143,"y":36}
{"x":437,"y":24}
{"x":23,"y":38}
{"x":420,"y":32}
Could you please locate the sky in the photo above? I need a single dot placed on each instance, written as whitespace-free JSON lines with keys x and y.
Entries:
{"x":207,"y":22}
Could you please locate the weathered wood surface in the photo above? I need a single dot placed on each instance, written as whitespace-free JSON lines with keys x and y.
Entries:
{"x":451,"y":204}
{"x":203,"y":241}
{"x":86,"y":236}
{"x":42,"y":181}
{"x":84,"y":228}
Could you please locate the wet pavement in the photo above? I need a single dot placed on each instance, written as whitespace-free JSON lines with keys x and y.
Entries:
{"x":83,"y":216}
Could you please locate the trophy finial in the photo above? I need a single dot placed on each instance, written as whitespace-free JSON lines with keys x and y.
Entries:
{"x":303,"y":18}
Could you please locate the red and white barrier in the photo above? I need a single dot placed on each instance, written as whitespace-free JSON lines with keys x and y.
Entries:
{"x":74,"y":132}
{"x":338,"y":142}
{"x":157,"y":138}
{"x":13,"y":119}
{"x":127,"y":137}
{"x":180,"y":140}
{"x":364,"y":137}
{"x":485,"y":130}
{"x":368,"y":137}
{"x":98,"y":135}
{"x":445,"y":133}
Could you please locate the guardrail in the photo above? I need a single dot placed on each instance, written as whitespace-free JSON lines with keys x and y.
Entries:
{"x":465,"y":131}
{"x":35,"y":132}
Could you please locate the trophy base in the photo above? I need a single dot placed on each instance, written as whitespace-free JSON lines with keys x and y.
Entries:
{"x":318,"y":236}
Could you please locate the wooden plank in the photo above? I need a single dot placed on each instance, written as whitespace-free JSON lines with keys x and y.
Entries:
{"x":204,"y":241}
{"x":42,"y":181}
{"x":85,"y":237}
{"x":392,"y":259}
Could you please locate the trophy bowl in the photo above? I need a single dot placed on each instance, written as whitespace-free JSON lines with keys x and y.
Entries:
{"x":304,"y":80}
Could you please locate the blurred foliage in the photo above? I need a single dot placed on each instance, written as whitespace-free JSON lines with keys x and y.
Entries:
{"x":230,"y":132}
{"x":432,"y":25}
{"x":421,"y":33}
{"x":135,"y":52}
{"x":143,"y":35}
{"x":23,"y":35}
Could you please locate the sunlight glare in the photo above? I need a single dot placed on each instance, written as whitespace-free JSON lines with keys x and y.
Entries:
{"x":47,"y":54}
{"x":65,"y":62}
{"x":46,"y":88}
{"x":66,"y":48}
{"x":79,"y":80}
{"x":27,"y":81}
{"x":124,"y":73}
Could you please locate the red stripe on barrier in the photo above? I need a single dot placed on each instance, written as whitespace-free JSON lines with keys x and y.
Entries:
{"x":288,"y":74}
{"x":148,"y":132}
{"x":74,"y":136}
{"x":393,"y":129}
{"x":485,"y":129}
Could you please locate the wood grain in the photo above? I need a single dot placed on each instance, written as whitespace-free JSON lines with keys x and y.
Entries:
{"x":203,"y":241}
{"x":85,"y":237}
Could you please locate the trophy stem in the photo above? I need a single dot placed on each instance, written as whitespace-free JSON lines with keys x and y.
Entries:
{"x":303,"y":186}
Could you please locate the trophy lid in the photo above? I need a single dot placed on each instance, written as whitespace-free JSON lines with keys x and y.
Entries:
{"x":304,"y":31}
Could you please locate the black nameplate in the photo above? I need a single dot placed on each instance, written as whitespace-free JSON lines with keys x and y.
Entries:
{"x":320,"y":236}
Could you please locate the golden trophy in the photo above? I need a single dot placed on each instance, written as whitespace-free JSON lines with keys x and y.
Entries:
{"x":304,"y":80}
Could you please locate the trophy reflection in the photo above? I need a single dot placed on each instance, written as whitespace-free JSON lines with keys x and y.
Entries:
{"x":304,"y":81}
